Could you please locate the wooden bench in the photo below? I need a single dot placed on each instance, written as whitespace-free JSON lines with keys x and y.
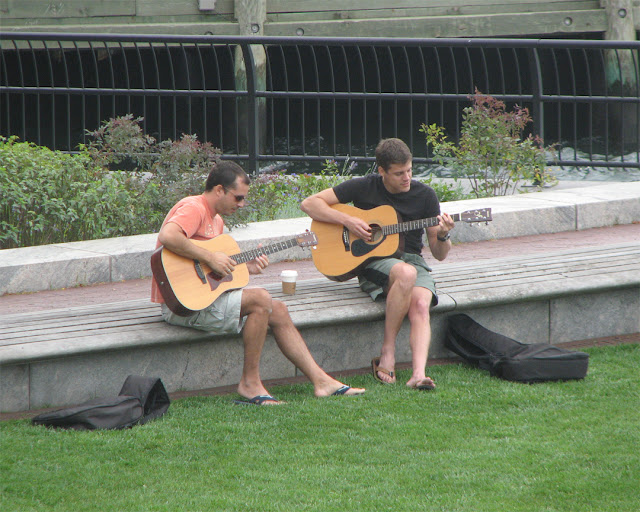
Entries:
{"x":67,"y":356}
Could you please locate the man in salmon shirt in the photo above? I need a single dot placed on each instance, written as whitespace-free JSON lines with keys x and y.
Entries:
{"x":250,"y":310}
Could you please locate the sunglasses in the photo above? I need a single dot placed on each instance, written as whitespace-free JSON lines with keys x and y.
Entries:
{"x":238,"y":199}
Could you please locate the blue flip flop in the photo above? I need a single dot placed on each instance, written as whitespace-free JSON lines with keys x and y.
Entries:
{"x":343,"y":390}
{"x":257,"y":400}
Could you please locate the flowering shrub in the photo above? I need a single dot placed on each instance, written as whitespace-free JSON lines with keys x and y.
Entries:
{"x":164,"y":171}
{"x":492,"y":152}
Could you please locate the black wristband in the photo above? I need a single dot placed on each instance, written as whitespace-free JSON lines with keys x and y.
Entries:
{"x":444,"y":238}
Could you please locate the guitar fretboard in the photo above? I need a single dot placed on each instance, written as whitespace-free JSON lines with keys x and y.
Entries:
{"x":252,"y":254}
{"x":392,"y":229}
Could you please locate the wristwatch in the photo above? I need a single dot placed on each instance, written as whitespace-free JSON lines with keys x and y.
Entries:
{"x":445,"y":237}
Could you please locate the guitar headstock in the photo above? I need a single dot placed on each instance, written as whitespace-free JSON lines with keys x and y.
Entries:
{"x":481,"y":215}
{"x":307,"y":239}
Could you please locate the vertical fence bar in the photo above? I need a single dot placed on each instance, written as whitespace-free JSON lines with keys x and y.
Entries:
{"x":252,"y":110}
{"x":96,"y":71}
{"x":142,"y":86}
{"x":37,"y":88}
{"x":536,"y":90}
{"x":53,"y":94}
{"x":347,"y":74}
{"x":82,"y":101}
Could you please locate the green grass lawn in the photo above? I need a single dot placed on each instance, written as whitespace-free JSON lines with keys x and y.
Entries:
{"x":477,"y":443}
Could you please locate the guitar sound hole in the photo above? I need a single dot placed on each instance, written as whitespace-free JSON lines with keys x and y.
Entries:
{"x":376,"y":234}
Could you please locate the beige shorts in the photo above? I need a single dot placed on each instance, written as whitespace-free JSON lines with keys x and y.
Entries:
{"x":222,"y":317}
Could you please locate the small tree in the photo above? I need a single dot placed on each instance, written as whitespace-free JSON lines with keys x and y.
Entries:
{"x":492,"y":152}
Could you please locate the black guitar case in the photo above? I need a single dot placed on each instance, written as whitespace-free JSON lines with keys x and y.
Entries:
{"x":141,"y":399}
{"x":509,"y":359}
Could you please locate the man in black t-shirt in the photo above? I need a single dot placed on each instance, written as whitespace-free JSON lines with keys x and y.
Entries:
{"x":405,"y":281}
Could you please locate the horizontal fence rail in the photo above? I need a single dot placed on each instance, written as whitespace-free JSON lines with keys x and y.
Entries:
{"x":267,"y":99}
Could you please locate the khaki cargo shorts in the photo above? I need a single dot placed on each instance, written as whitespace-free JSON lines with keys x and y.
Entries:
{"x":221,"y":317}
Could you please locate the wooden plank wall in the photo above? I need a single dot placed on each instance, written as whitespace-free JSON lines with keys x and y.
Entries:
{"x":362,"y":18}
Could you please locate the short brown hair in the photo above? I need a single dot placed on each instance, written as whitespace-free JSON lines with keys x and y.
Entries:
{"x":392,"y":151}
{"x":225,"y":173}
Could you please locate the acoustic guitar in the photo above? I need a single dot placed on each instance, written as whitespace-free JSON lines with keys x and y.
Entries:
{"x":339,"y":254}
{"x":187,"y":285}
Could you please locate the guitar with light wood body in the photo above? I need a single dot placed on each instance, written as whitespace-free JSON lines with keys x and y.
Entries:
{"x":339,"y":254}
{"x":187,"y":285}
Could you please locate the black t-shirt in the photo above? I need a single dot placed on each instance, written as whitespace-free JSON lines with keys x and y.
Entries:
{"x":420,"y":202}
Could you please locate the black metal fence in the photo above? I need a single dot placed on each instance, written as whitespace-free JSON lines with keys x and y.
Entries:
{"x":264,"y":99}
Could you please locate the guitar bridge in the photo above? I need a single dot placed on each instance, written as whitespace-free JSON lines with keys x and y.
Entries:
{"x":345,"y":240}
{"x":199,"y":271}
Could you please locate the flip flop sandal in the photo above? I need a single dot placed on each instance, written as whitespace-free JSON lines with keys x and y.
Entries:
{"x":426,"y":387}
{"x":375,"y":368}
{"x":257,"y":400}
{"x":343,"y":391}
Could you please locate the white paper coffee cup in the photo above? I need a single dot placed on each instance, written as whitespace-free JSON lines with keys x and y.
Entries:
{"x":289,"y":278}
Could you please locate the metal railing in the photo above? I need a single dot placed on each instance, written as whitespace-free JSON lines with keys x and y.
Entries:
{"x":266,"y":99}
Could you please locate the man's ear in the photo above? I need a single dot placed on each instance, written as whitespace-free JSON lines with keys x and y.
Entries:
{"x":381,"y":171}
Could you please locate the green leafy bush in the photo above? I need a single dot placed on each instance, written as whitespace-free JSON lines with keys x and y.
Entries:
{"x":124,"y":182}
{"x":492,"y":152}
{"x":277,"y":195}
{"x":445,"y":191}
{"x":50,"y":197}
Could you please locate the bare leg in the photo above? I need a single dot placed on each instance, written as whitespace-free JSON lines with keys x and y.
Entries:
{"x":263,"y":312}
{"x":401,"y":283}
{"x":295,"y":349}
{"x":420,"y":336}
{"x":256,"y":306}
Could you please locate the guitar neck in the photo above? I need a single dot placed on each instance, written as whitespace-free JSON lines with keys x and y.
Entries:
{"x":252,"y":254}
{"x":392,"y":229}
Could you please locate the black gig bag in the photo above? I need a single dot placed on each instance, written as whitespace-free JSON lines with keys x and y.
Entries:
{"x":141,"y":399}
{"x":509,"y":359}
{"x":151,"y":393}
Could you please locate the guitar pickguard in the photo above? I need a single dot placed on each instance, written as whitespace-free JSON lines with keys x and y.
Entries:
{"x":360,"y":247}
{"x":215,"y":280}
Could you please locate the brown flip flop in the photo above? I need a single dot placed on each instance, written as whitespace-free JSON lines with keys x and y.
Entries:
{"x":375,"y":368}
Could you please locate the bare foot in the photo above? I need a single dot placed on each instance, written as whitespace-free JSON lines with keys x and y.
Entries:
{"x":251,"y":389}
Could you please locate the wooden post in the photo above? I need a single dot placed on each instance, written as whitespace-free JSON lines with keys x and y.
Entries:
{"x":621,"y":74}
{"x":621,"y":66}
{"x":251,"y":16}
